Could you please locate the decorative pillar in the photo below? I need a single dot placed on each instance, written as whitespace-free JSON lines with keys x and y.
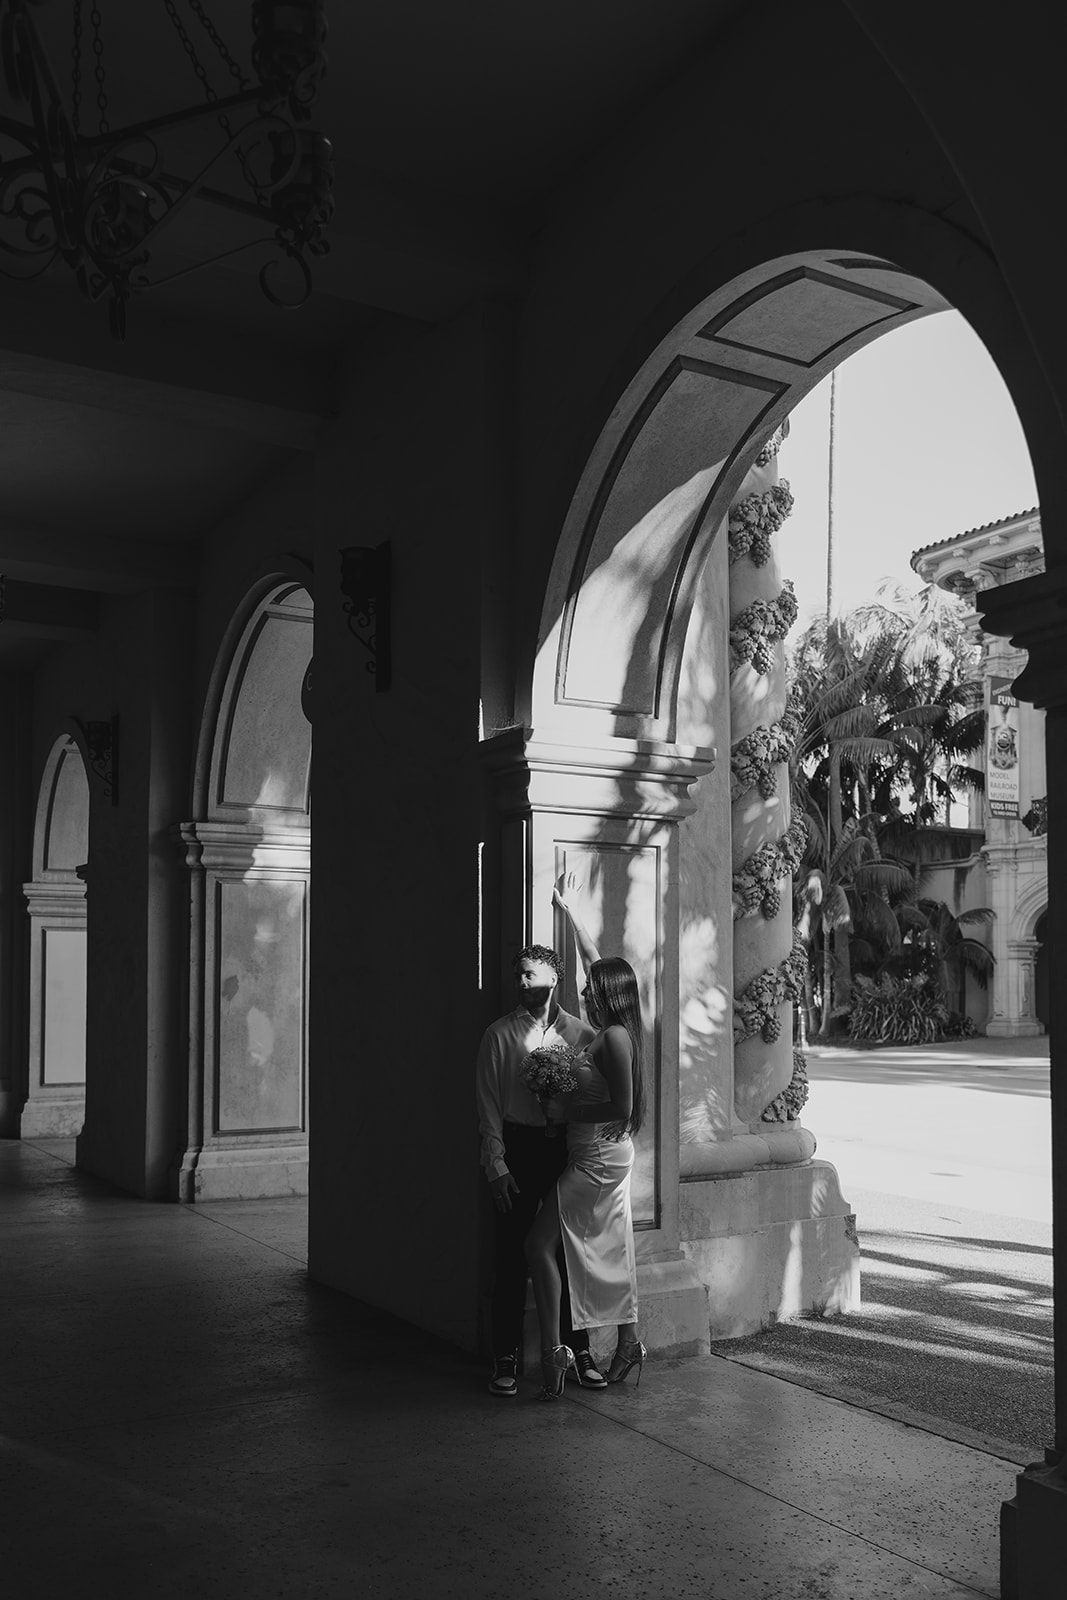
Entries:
{"x":1033,"y":614}
{"x":765,"y":1226}
{"x":766,"y":846}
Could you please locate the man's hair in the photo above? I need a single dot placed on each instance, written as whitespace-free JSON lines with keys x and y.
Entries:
{"x":540,"y":952}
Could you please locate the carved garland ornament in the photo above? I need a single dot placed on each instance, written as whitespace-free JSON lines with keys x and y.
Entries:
{"x":760,"y":626}
{"x":756,"y":1012}
{"x":755,"y":519}
{"x":787,"y":1106}
{"x":755,"y":758}
{"x":774,"y":443}
{"x":756,"y":883}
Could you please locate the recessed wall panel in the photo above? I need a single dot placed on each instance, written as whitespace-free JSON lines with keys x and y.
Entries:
{"x":260,"y":1005}
{"x":642,"y":530}
{"x":268,"y":740}
{"x":63,"y":1005}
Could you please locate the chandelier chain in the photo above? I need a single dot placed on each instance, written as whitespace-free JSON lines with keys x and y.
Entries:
{"x":76,"y":69}
{"x":99,"y":72}
{"x":197,"y":7}
{"x":198,"y":66}
{"x":190,"y":49}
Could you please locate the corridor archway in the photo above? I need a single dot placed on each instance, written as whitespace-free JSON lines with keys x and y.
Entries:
{"x":644,"y":683}
{"x":56,"y":905}
{"x":249,"y":855}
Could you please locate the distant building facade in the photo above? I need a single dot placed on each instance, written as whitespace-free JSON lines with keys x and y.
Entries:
{"x":1006,"y":869}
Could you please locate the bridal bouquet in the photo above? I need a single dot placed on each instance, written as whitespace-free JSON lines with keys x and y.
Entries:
{"x":549,"y":1071}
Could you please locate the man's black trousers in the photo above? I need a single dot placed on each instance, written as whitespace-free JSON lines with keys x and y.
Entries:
{"x":535,"y":1160}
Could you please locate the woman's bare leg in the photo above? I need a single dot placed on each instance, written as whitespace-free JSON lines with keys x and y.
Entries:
{"x":542,"y":1242}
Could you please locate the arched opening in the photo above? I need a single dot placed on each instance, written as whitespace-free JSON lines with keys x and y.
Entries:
{"x":56,"y":904}
{"x":658,"y":667}
{"x":249,"y":854}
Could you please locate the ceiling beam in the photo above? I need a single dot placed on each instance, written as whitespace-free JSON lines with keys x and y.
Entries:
{"x":167,"y":402}
{"x":48,"y":610}
{"x":103,"y":562}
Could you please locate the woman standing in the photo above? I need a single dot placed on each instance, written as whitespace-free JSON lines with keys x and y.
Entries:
{"x":589,"y":1209}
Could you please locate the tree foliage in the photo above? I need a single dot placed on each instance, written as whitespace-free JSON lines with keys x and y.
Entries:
{"x":891,"y":717}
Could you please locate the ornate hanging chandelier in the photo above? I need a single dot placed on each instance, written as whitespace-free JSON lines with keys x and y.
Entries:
{"x":106,"y":202}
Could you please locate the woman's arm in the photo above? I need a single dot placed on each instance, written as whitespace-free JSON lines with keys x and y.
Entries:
{"x":615,"y":1059}
{"x":567,"y":898}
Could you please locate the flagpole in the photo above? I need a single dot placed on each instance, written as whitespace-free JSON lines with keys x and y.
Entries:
{"x":830,"y":597}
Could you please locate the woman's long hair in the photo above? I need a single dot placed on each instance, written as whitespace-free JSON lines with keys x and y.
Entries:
{"x":612,"y":989}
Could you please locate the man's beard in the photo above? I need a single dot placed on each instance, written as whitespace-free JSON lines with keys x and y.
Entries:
{"x":534,"y":999}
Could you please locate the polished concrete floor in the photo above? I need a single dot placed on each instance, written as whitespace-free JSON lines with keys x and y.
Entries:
{"x":185,"y":1414}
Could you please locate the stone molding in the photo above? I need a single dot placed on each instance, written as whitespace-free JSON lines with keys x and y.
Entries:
{"x":63,"y":899}
{"x":630,"y":777}
{"x":776,"y":1146}
{"x":245,"y":848}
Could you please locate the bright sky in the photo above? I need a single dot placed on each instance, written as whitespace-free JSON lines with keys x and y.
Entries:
{"x":928,"y":445}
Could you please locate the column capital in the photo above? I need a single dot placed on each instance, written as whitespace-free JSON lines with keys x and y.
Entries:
{"x":629,"y":777}
{"x":1032,"y":613}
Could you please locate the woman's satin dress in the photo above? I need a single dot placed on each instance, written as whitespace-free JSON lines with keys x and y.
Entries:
{"x":594,"y":1213}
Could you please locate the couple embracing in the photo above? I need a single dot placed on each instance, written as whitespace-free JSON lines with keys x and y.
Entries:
{"x":559,"y":1168}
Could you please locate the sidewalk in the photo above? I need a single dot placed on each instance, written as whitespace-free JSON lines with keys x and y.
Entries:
{"x":194,"y":1417}
{"x":944,"y":1154}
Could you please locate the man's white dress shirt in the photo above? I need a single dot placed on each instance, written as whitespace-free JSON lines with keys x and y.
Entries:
{"x":500,"y":1092}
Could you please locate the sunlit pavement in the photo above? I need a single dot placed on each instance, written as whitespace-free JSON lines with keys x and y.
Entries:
{"x":944,"y":1154}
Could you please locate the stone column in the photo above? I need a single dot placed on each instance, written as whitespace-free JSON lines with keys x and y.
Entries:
{"x":1011,"y":1014}
{"x":766,"y":1227}
{"x":764,"y":848}
{"x":1033,"y":613}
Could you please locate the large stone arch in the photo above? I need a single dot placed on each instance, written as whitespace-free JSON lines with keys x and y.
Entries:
{"x":248,"y":849}
{"x":55,"y":901}
{"x":619,"y":763}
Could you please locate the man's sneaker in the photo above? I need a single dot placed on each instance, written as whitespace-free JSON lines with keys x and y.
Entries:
{"x":586,"y":1371}
{"x":503,"y":1380}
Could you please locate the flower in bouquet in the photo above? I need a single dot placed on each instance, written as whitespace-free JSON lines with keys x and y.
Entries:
{"x":549,"y":1070}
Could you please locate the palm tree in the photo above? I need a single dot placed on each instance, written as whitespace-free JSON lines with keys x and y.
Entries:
{"x":885,"y":709}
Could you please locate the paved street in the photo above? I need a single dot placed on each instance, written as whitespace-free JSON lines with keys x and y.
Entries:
{"x":944,"y":1154}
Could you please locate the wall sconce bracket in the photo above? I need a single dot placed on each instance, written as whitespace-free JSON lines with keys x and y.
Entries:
{"x":366,"y":572}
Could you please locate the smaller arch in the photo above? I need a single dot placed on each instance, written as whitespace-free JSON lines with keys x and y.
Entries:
{"x":248,"y":850}
{"x":56,"y":906}
{"x":1029,"y":908}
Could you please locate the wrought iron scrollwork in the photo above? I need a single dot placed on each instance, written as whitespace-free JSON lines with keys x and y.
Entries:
{"x":365,"y":583}
{"x":100,"y":202}
{"x":102,"y":753}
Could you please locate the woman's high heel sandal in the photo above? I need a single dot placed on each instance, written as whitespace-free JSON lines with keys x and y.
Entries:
{"x":554,"y":1365}
{"x":626,"y":1357}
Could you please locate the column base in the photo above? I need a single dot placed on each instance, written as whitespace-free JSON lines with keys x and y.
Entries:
{"x":1014,"y":1028}
{"x":770,"y":1244}
{"x":53,"y":1116}
{"x":242,"y":1172}
{"x":1033,"y":1535}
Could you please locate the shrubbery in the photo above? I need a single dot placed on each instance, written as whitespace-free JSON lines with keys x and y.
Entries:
{"x":907,"y":1010}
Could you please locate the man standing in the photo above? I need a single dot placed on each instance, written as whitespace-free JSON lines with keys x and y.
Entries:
{"x":522,"y":1155}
